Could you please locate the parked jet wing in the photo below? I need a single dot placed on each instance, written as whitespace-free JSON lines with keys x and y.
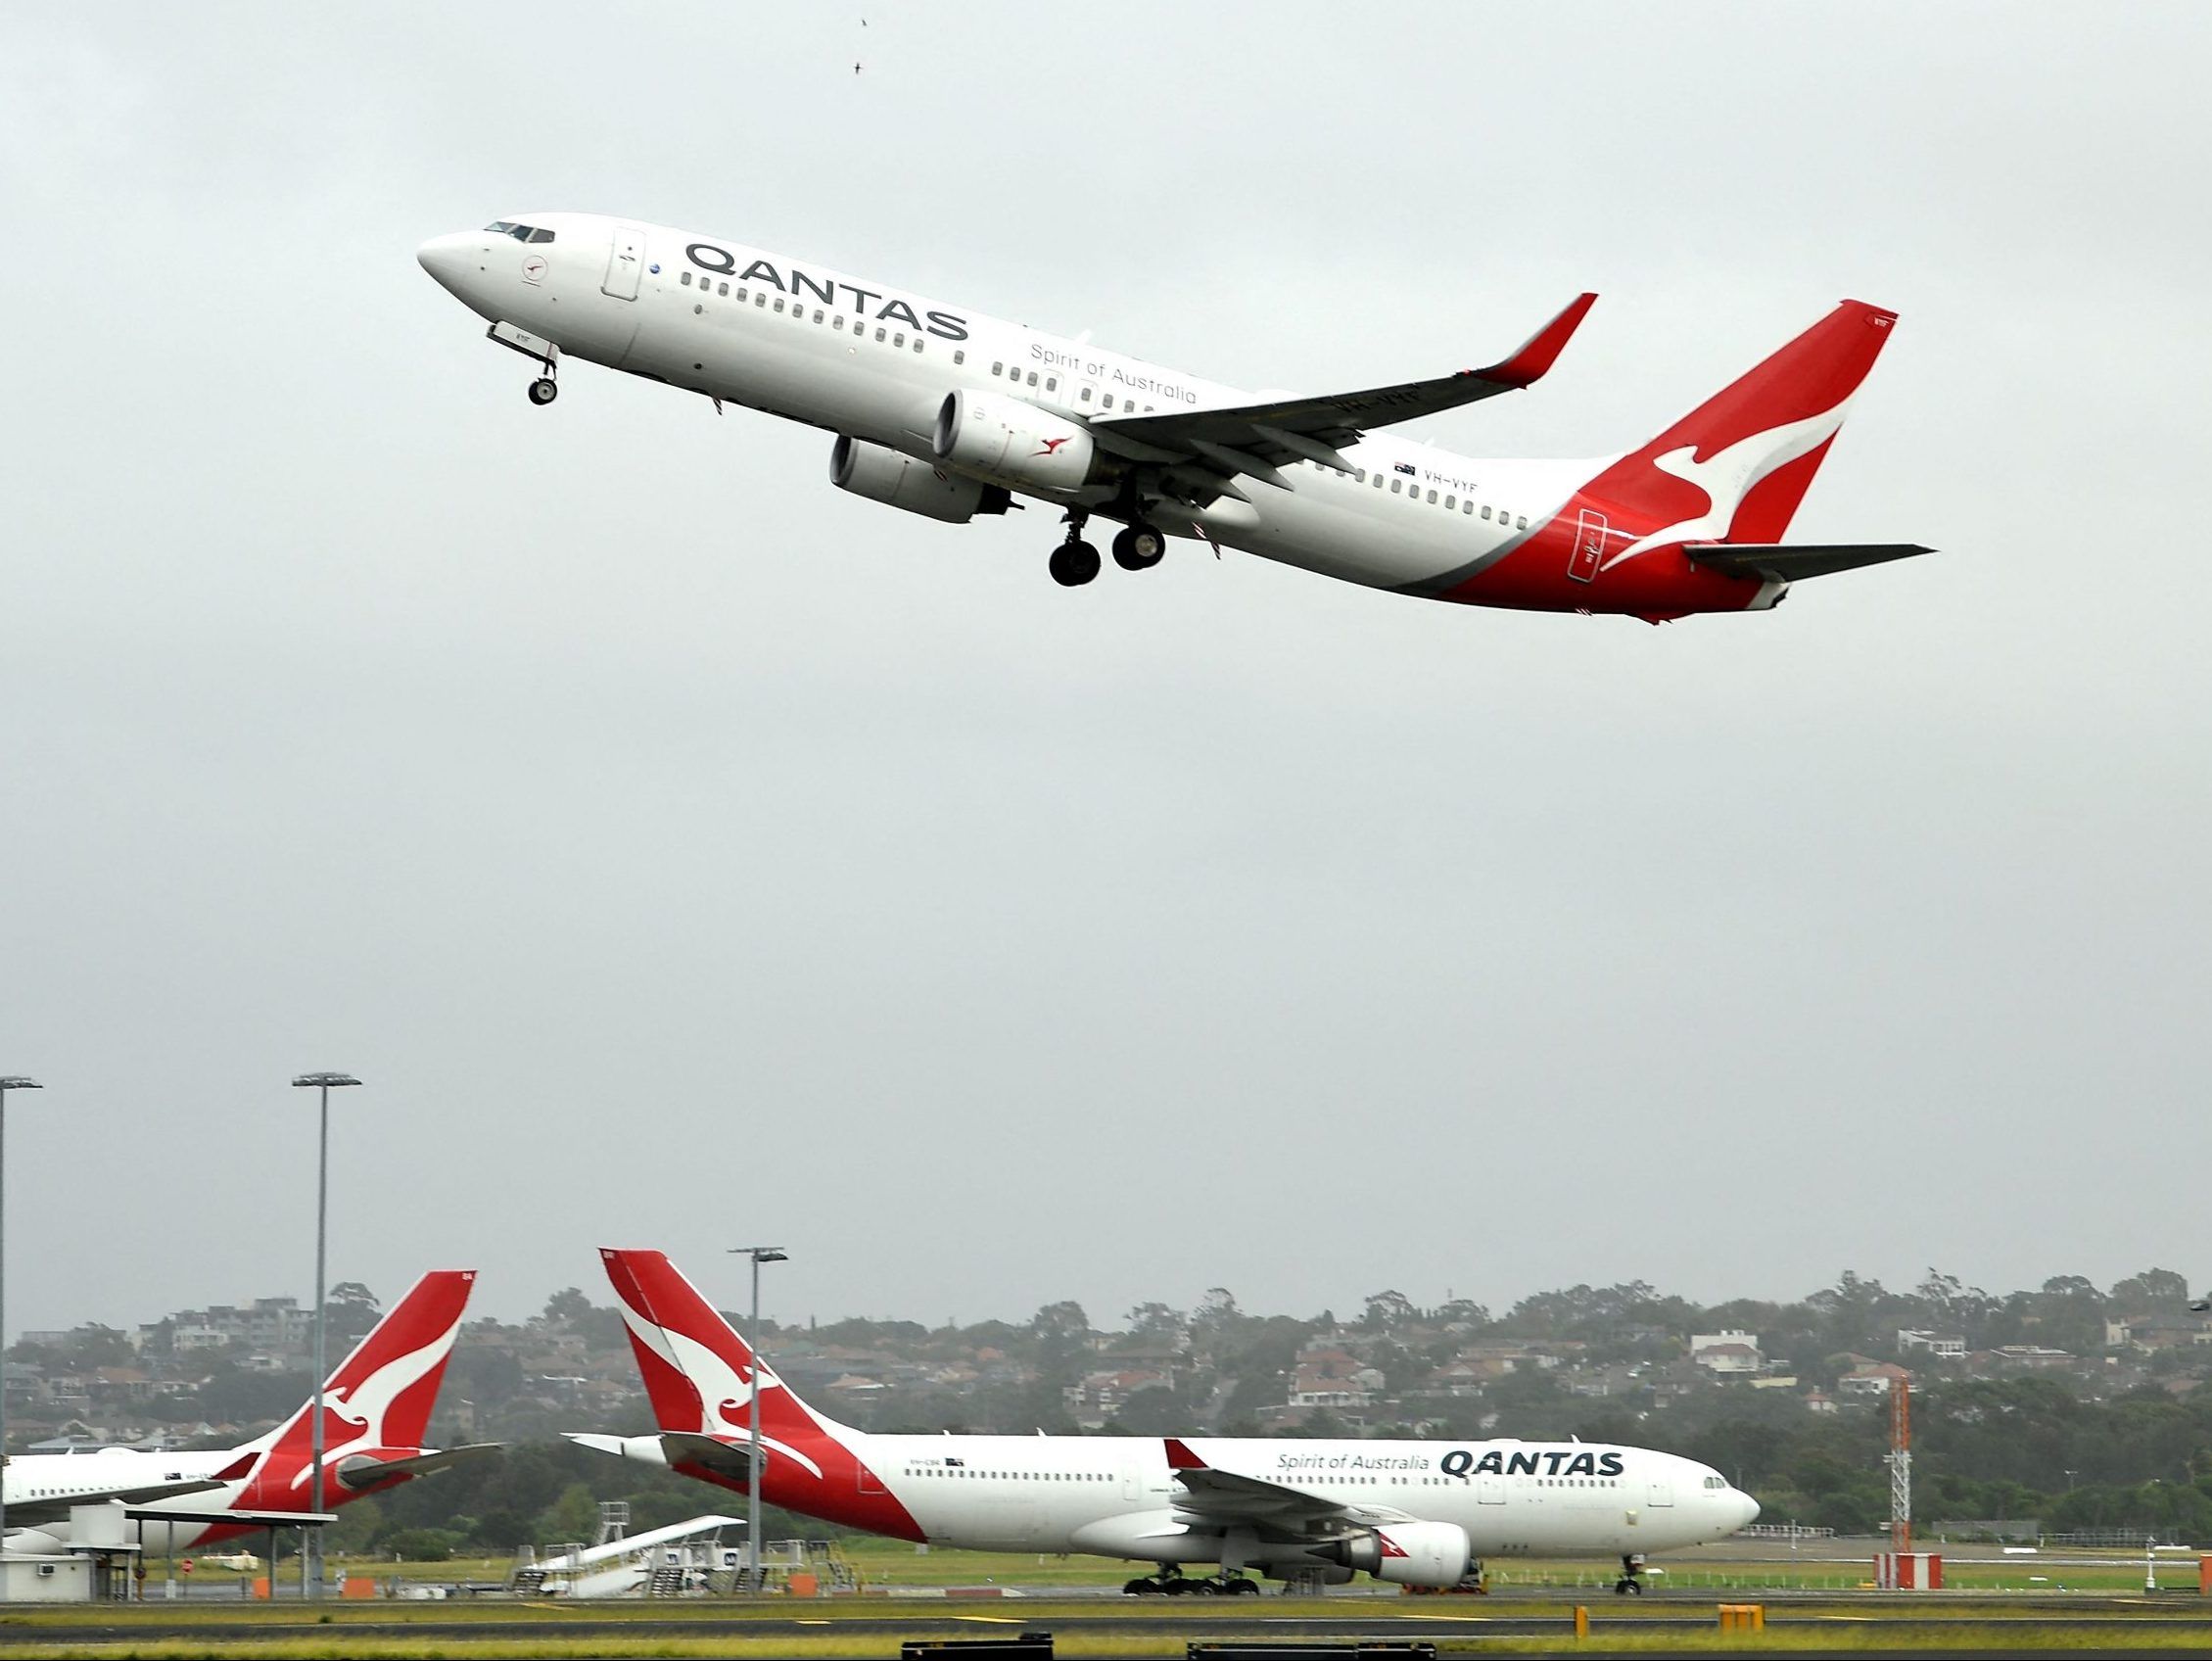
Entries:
{"x":31,"y":1512}
{"x":1224,"y":1496}
{"x":245,"y":1519}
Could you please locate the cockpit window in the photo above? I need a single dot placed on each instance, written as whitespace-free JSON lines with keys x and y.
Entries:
{"x":541,"y":236}
{"x":521,"y":233}
{"x":500,"y":226}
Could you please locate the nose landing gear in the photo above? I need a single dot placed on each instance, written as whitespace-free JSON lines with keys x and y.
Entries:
{"x":1631,"y":1581}
{"x":544,"y":390}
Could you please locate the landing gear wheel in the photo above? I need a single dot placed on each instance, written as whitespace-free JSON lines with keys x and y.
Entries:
{"x":544,"y":390}
{"x":1239,"y":1586}
{"x":1631,"y":1582}
{"x":1143,"y":1585}
{"x":1073,"y":564}
{"x":1139,"y":547}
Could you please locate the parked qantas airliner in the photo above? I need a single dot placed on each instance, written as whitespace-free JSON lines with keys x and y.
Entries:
{"x":376,"y":1407}
{"x":1414,"y":1513}
{"x":949,"y":413}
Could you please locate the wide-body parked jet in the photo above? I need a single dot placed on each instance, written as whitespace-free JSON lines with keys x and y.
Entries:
{"x":948,"y":413}
{"x":1414,"y":1513}
{"x":376,"y":1409}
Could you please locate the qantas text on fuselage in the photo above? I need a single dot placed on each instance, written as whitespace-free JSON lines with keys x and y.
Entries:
{"x":951,"y":414}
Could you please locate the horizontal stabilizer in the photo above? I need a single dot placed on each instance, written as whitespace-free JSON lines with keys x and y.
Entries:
{"x":708,"y":1453}
{"x":1785,"y":562}
{"x":367,"y":1472}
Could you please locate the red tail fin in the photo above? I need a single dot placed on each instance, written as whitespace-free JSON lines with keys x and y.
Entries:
{"x":697,"y":1371}
{"x":1735,"y":468}
{"x":382,"y":1394}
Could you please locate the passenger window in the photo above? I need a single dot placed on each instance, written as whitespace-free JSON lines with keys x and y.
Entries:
{"x":1032,"y":377}
{"x":838,"y":321}
{"x":1522,"y":523}
{"x":1396,"y":484}
{"x":1486,"y":510}
{"x":1431,"y":495}
{"x":960,"y":355}
{"x":1377,"y":481}
{"x":722,"y":289}
{"x":760,"y":299}
{"x":899,"y":340}
{"x":879,"y":333}
{"x":1449,"y":502}
{"x":917,"y":343}
{"x":779,"y":303}
{"x":1467,"y":507}
{"x":998,"y":368}
{"x":740,"y":294}
{"x":1051,"y":383}
{"x":1148,"y":409}
{"x":685,"y":279}
{"x":1086,"y":395}
{"x":1107,"y":402}
{"x":817,"y":315}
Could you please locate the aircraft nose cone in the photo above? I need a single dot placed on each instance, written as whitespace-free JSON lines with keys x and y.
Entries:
{"x":1748,"y":1506}
{"x":449,"y":259}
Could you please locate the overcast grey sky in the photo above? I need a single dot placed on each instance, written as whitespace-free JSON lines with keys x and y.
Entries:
{"x":688,"y":854}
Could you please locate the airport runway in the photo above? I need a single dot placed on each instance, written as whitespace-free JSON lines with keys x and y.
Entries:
{"x":1078,"y":1634}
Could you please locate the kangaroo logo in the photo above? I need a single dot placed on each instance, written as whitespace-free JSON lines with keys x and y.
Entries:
{"x":1728,"y":476}
{"x":1052,"y":447}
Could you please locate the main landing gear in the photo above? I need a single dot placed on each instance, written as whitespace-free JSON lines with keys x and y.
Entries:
{"x":1171,"y":1582}
{"x":544,"y":390}
{"x":1631,"y":1581}
{"x":1139,"y":547}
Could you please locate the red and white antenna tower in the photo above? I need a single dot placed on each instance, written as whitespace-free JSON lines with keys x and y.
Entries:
{"x":1900,"y":1462}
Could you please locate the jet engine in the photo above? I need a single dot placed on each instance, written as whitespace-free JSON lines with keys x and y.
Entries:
{"x":38,"y":1543}
{"x":1003,"y":438}
{"x":881,"y":474}
{"x":1436,"y":1554}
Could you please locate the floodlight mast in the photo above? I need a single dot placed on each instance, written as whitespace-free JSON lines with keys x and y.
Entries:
{"x":310,"y":1545}
{"x":759,"y":1255}
{"x":13,"y":1081}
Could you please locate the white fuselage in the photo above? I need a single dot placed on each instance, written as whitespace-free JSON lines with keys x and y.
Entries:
{"x":814,"y":345}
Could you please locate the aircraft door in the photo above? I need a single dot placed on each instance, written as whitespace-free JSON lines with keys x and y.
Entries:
{"x":1489,"y":1491}
{"x":626,"y":263}
{"x":1662,"y":1491}
{"x":1589,"y":546}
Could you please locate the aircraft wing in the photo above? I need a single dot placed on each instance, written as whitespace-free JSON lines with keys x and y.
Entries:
{"x":1785,"y":562}
{"x":1215,"y":1497}
{"x":31,"y":1512}
{"x":1256,"y":439}
{"x":365,"y":1472}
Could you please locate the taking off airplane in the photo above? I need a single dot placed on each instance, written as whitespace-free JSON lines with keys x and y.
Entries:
{"x":376,"y":1407}
{"x":1413,"y":1513}
{"x":948,"y":413}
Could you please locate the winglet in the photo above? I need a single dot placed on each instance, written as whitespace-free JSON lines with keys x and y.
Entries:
{"x":1542,"y":348}
{"x":1180,"y":1457}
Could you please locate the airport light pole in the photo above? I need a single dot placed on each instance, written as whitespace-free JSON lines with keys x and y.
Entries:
{"x":759,"y":1255}
{"x":13,"y":1081}
{"x":310,"y":1547}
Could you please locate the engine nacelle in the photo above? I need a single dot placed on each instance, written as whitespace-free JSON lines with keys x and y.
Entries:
{"x":1003,"y":438}
{"x":882,"y":474}
{"x":1436,"y":1554}
{"x":38,"y":1543}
